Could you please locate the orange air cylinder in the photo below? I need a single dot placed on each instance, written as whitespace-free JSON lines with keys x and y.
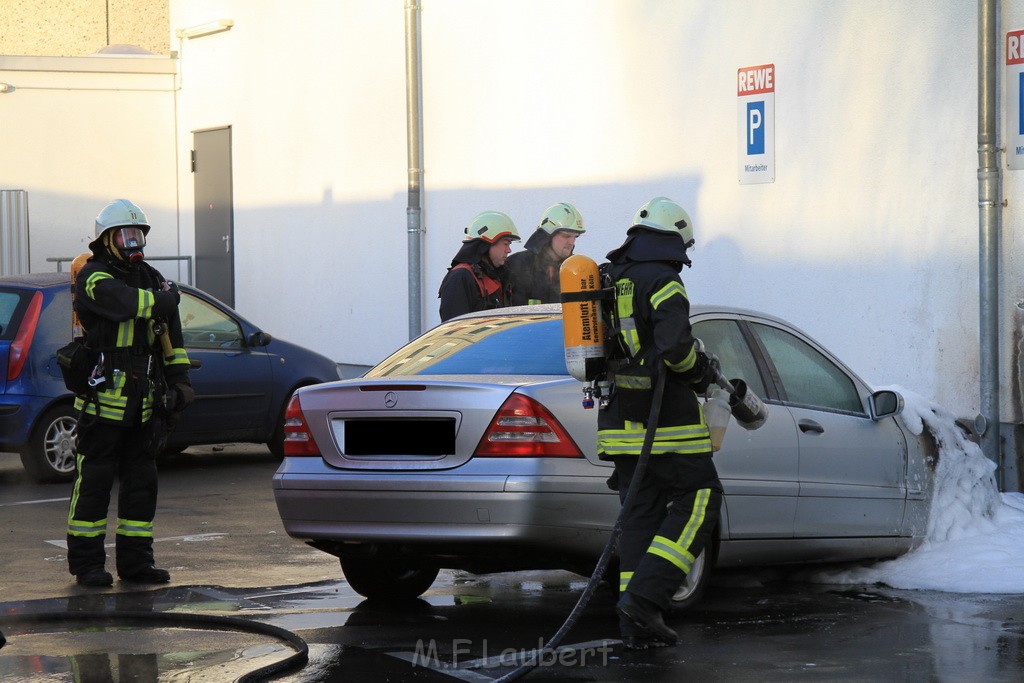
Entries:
{"x":76,"y":265}
{"x":581,"y":317}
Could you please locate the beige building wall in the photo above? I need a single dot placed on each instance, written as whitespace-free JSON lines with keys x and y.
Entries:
{"x":77,"y":28}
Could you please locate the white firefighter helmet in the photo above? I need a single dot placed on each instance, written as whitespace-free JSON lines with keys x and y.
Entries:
{"x":491,"y":226}
{"x":121,"y":213}
{"x":561,"y":216}
{"x":664,"y":215}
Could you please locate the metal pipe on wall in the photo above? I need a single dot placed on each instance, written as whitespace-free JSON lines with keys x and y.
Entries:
{"x":988,"y":232}
{"x":414,"y":144}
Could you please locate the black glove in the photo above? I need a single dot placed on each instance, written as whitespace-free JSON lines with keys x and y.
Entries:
{"x":182,"y":396}
{"x":703,"y":373}
{"x":165,"y":304}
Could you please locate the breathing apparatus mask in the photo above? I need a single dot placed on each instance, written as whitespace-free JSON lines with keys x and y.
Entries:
{"x":128,"y":242}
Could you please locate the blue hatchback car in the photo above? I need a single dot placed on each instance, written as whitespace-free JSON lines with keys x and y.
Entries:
{"x":242,"y":376}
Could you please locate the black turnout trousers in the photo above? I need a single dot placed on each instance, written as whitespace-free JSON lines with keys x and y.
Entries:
{"x":107,"y":451}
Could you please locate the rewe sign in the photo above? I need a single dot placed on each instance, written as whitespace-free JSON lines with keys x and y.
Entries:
{"x":1014,"y":97}
{"x":755,"y":87}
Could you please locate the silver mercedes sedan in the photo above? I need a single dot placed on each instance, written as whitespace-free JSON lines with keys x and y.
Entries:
{"x":472,"y":448}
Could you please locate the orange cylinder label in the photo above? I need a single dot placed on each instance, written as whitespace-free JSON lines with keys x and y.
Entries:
{"x":581,"y":314}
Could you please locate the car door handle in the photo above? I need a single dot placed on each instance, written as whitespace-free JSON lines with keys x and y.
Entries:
{"x":810,"y":426}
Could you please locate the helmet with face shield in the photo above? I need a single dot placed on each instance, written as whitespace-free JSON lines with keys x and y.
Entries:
{"x":123,"y":227}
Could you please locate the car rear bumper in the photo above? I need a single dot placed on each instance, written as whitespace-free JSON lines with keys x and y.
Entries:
{"x":18,"y":415}
{"x":455,"y":514}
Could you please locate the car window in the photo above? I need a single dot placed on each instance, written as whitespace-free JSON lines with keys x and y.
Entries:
{"x":8,"y":310}
{"x":724,"y":339}
{"x":498,"y":345}
{"x":808,"y":377}
{"x":206,"y":326}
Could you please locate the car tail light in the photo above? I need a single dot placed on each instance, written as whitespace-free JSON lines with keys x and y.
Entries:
{"x":523,"y":427}
{"x":23,"y":340}
{"x":298,"y":440}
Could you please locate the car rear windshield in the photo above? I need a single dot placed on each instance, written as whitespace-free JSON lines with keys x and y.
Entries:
{"x":11,"y":311}
{"x":493,"y":345}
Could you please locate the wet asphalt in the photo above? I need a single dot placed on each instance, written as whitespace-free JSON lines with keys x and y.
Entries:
{"x":239,"y":583}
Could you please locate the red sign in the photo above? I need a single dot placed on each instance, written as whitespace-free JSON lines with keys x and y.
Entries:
{"x":1015,"y":47}
{"x":754,"y":80}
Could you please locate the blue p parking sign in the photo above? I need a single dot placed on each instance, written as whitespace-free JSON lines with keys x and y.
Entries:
{"x":755,"y":127}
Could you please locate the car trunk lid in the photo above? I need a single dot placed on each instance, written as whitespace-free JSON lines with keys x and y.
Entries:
{"x":402,"y":425}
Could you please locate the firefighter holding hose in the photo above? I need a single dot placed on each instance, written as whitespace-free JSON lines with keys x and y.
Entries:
{"x":676,"y":507}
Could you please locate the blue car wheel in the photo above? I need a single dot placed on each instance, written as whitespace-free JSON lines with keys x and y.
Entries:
{"x":49,"y":455}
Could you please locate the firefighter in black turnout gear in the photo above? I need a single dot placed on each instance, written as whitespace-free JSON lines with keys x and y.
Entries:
{"x":478,"y":279}
{"x":139,"y":383}
{"x":676,"y":507}
{"x":535,"y":270}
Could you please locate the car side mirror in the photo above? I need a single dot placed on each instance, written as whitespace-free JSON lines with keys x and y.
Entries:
{"x":885,"y":403}
{"x":259,"y":338}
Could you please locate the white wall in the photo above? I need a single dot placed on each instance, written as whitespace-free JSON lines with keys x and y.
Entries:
{"x":77,"y":132}
{"x":867,"y":239}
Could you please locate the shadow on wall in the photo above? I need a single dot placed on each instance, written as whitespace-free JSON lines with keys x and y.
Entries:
{"x":333,"y":276}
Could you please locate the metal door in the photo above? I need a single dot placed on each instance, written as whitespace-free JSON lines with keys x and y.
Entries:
{"x":214,"y":213}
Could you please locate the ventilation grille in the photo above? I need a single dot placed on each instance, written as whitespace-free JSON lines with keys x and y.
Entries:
{"x":13,"y":232}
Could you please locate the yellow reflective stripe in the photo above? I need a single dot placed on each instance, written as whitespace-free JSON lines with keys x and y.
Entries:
{"x":111,"y":404}
{"x":635,"y":448}
{"x":667,"y":292}
{"x":94,"y":279}
{"x":632,"y":382}
{"x":125,"y":333}
{"x":113,"y":398}
{"x":131,"y":527}
{"x":179,"y":357}
{"x":686,"y":363}
{"x":685,"y":440}
{"x":106,"y":413}
{"x":146,"y":301}
{"x":624,"y":309}
{"x":624,"y":578}
{"x":673,"y":552}
{"x":678,"y":552}
{"x":77,"y":527}
{"x":632,"y":430}
{"x":700,"y":507}
{"x":79,"y":459}
{"x":682,"y":432}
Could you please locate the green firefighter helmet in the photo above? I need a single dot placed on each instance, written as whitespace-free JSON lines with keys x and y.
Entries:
{"x":664,"y":215}
{"x":562,"y":216}
{"x":121,"y":213}
{"x":491,"y":226}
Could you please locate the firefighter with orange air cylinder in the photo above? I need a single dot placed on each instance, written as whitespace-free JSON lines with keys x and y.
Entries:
{"x":136,"y":386}
{"x":676,"y":507}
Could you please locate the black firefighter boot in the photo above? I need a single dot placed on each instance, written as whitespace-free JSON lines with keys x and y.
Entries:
{"x":95,"y":578}
{"x":148,"y":574}
{"x":647,"y":618}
